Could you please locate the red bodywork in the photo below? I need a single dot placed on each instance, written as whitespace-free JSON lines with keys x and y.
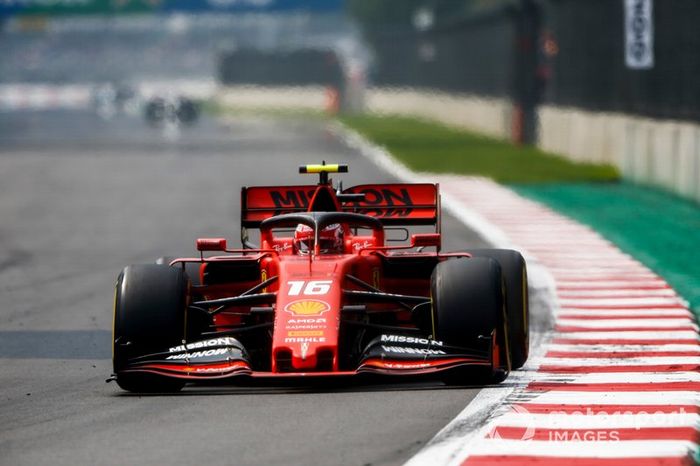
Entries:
{"x":341,"y":313}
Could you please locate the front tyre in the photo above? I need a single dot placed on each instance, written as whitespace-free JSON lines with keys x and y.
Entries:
{"x":514,"y":273}
{"x":149,"y":317}
{"x":468,"y":307}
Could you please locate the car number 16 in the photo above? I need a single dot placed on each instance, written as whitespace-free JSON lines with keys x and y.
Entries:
{"x":310,"y":288}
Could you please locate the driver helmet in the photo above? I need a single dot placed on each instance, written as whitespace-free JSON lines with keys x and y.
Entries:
{"x":331,"y":239}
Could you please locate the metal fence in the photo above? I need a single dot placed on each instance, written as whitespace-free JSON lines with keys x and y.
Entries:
{"x":561,"y":52}
{"x":469,"y":55}
{"x":589,"y":68}
{"x":294,"y":68}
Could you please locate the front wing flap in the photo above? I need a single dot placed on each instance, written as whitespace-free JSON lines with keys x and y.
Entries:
{"x":410,"y":354}
{"x":225,"y":357}
{"x":214,"y":358}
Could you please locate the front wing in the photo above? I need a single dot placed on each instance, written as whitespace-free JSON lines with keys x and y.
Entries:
{"x":225,"y":357}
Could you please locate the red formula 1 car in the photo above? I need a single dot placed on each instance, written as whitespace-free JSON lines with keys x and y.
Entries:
{"x":323,"y":295}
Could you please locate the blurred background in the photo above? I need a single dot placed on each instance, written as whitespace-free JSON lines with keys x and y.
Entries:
{"x":128,"y":127}
{"x":603,"y":82}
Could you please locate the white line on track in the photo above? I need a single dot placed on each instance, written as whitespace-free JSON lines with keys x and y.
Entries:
{"x":615,"y":293}
{"x":619,"y":378}
{"x":608,"y":362}
{"x":590,"y":262}
{"x":570,"y":285}
{"x":603,"y":449}
{"x":573,"y":273}
{"x":623,"y":313}
{"x":603,"y":282}
{"x":597,"y":280}
{"x":448,"y":445}
{"x":618,"y":301}
{"x":621,"y":324}
{"x":601,"y":310}
{"x":602,"y":253}
{"x":598,"y":348}
{"x":555,"y":397}
{"x":598,"y":421}
{"x":633,"y":335}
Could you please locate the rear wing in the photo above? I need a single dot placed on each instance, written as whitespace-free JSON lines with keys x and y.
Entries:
{"x":393,"y":204}
{"x":396,"y":204}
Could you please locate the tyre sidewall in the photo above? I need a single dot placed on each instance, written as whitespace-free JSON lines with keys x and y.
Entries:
{"x":468,"y":306}
{"x":514,"y":271}
{"x":150,"y":311}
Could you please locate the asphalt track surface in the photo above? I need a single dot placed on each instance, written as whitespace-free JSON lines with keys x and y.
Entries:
{"x":80,"y":198}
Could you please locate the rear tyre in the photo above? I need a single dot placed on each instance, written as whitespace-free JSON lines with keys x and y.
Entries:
{"x":187,"y":111}
{"x":514,"y":273}
{"x":468,"y":306}
{"x":155,"y":111}
{"x":149,"y":317}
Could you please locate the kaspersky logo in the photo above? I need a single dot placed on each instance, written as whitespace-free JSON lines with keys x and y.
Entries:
{"x":307,"y":307}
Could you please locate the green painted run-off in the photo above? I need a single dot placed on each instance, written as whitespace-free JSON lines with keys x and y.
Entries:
{"x":659,"y":229}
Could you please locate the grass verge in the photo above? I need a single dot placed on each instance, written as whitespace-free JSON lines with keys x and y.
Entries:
{"x":431,"y":147}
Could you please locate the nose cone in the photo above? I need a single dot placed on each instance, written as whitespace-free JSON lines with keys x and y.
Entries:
{"x":306,"y":334}
{"x":307,"y":316}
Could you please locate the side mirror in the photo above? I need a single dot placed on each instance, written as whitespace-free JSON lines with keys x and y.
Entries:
{"x":425,"y":240}
{"x":211,"y":244}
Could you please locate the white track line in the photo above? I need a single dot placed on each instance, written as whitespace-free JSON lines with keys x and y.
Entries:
{"x":616,"y":283}
{"x":609,"y":362}
{"x":555,"y":397}
{"x":626,"y":323}
{"x":609,"y":449}
{"x":446,"y":446}
{"x":621,"y":378}
{"x":607,"y":298}
{"x":633,"y":335}
{"x":630,"y":311}
{"x":599,"y":421}
{"x":613,"y":399}
{"x":597,"y":348}
{"x":607,"y":293}
{"x":614,"y":301}
{"x":624,"y":313}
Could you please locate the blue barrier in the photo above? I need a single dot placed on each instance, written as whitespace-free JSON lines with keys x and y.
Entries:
{"x":106,"y":7}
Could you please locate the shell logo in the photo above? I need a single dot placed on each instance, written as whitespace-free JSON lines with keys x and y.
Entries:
{"x":307,"y":307}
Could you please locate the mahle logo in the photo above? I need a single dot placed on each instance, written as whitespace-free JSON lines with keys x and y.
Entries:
{"x":307,"y":307}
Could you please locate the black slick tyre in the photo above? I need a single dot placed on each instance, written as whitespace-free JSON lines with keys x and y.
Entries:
{"x":468,"y":306}
{"x":149,"y":317}
{"x":514,"y":273}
